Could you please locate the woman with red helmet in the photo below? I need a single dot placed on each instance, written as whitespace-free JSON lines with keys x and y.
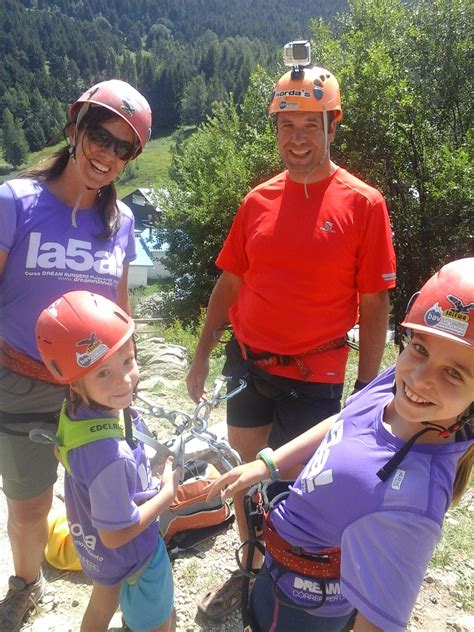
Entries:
{"x":375,"y":480}
{"x":112,"y":499}
{"x":62,"y":228}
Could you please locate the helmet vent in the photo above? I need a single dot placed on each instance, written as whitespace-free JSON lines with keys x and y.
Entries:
{"x":125,"y":320}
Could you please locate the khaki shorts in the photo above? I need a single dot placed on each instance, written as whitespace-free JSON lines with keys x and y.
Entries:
{"x":28,"y":469}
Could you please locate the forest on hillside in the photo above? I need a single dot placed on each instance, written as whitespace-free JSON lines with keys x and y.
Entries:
{"x":182,"y":54}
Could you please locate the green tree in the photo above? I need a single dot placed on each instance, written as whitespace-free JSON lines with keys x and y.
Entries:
{"x":15,"y":147}
{"x":194,"y":101}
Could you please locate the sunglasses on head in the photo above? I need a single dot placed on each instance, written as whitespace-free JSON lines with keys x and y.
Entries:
{"x":100,"y":136}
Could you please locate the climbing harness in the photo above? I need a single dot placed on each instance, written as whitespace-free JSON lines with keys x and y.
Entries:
{"x":266,"y":359}
{"x":72,"y":435}
{"x":259,"y":502}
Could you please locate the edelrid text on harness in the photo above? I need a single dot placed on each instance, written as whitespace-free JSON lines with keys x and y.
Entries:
{"x":72,"y":434}
{"x":320,"y":567}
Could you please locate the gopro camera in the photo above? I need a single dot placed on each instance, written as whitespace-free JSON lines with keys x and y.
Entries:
{"x":297,"y":53}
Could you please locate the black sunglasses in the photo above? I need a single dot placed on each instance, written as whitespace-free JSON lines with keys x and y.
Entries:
{"x":100,"y":136}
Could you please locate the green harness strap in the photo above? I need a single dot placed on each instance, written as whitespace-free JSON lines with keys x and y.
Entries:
{"x":73,"y":434}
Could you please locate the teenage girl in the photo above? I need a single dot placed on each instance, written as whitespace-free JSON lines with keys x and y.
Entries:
{"x":376,"y":480}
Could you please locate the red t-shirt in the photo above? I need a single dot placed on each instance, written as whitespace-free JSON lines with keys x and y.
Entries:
{"x":303,"y":259}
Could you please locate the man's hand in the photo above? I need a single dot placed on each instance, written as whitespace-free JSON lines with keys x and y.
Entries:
{"x":196,"y":378}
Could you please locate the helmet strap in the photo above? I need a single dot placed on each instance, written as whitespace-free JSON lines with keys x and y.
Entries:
{"x":398,"y":457}
{"x":80,"y":115}
{"x":76,"y":206}
{"x":326,"y":134}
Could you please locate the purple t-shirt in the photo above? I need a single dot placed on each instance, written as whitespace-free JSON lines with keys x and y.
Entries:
{"x":48,"y":256}
{"x":386,"y":530}
{"x":109,"y":480}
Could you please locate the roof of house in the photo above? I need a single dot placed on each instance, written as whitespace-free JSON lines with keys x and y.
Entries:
{"x":143,"y":254}
{"x":144,"y":204}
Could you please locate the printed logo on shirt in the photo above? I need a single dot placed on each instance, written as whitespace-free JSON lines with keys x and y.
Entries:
{"x":307,"y":590}
{"x":88,"y":541}
{"x":76,"y":256}
{"x":397,"y":479}
{"x":327,"y":227}
{"x":389,"y":276}
{"x":316,"y":476}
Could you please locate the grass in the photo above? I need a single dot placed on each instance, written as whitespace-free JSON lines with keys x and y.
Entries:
{"x":152,"y":166}
{"x":452,"y":552}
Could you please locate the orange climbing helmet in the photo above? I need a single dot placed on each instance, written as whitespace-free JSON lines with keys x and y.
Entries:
{"x":122,"y":99}
{"x":445,"y":304}
{"x":78,"y":332}
{"x":307,"y":90}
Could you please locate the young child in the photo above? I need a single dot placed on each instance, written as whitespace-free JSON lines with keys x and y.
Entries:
{"x":376,"y":480}
{"x":112,"y":499}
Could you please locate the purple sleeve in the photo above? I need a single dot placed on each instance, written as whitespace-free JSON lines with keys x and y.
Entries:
{"x":128,"y":219}
{"x":8,"y":218}
{"x":384,"y":557}
{"x":112,"y":512}
{"x":131,"y":250}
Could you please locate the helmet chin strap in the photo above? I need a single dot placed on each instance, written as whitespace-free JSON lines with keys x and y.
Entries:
{"x":326,"y":134}
{"x":462,"y":421}
{"x":72,"y":153}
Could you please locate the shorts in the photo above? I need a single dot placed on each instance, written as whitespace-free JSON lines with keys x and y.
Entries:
{"x":269,"y":613}
{"x":28,"y":469}
{"x":148,"y":603}
{"x":291,"y":406}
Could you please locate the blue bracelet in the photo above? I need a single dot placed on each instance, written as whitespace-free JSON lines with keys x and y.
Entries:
{"x":359,"y":385}
{"x":266,"y":455}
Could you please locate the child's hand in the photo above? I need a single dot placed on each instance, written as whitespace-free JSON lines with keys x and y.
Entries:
{"x":170,"y":478}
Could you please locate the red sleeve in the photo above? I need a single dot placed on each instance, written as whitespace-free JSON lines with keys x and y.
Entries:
{"x":376,"y":265}
{"x":233,"y":257}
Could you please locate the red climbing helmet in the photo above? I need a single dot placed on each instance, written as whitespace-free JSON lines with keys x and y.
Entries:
{"x":119,"y":97}
{"x":445,"y":304}
{"x":78,"y":332}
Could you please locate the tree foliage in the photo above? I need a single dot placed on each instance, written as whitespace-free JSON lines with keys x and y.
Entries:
{"x":406,"y":83}
{"x":182,"y":54}
{"x":15,"y":147}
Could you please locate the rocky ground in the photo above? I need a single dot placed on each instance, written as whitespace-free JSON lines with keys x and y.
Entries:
{"x":441,"y":604}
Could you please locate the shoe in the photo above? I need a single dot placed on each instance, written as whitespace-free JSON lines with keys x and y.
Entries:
{"x":20,"y":599}
{"x":224,"y":599}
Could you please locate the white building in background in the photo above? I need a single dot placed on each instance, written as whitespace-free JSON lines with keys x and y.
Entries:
{"x":148,"y":264}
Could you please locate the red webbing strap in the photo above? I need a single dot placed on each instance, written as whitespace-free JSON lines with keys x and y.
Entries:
{"x":323,"y":565}
{"x":23,"y":364}
{"x":269,"y":359}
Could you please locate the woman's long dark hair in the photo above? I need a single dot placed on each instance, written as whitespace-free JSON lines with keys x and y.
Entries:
{"x":106,"y":200}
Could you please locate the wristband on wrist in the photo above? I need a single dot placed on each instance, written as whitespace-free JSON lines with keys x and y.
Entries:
{"x":266,"y":455}
{"x":359,"y":385}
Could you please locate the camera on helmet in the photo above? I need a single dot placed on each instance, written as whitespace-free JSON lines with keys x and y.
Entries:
{"x":297,"y":54}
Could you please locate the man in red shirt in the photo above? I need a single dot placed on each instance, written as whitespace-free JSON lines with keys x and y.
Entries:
{"x":308,"y":256}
